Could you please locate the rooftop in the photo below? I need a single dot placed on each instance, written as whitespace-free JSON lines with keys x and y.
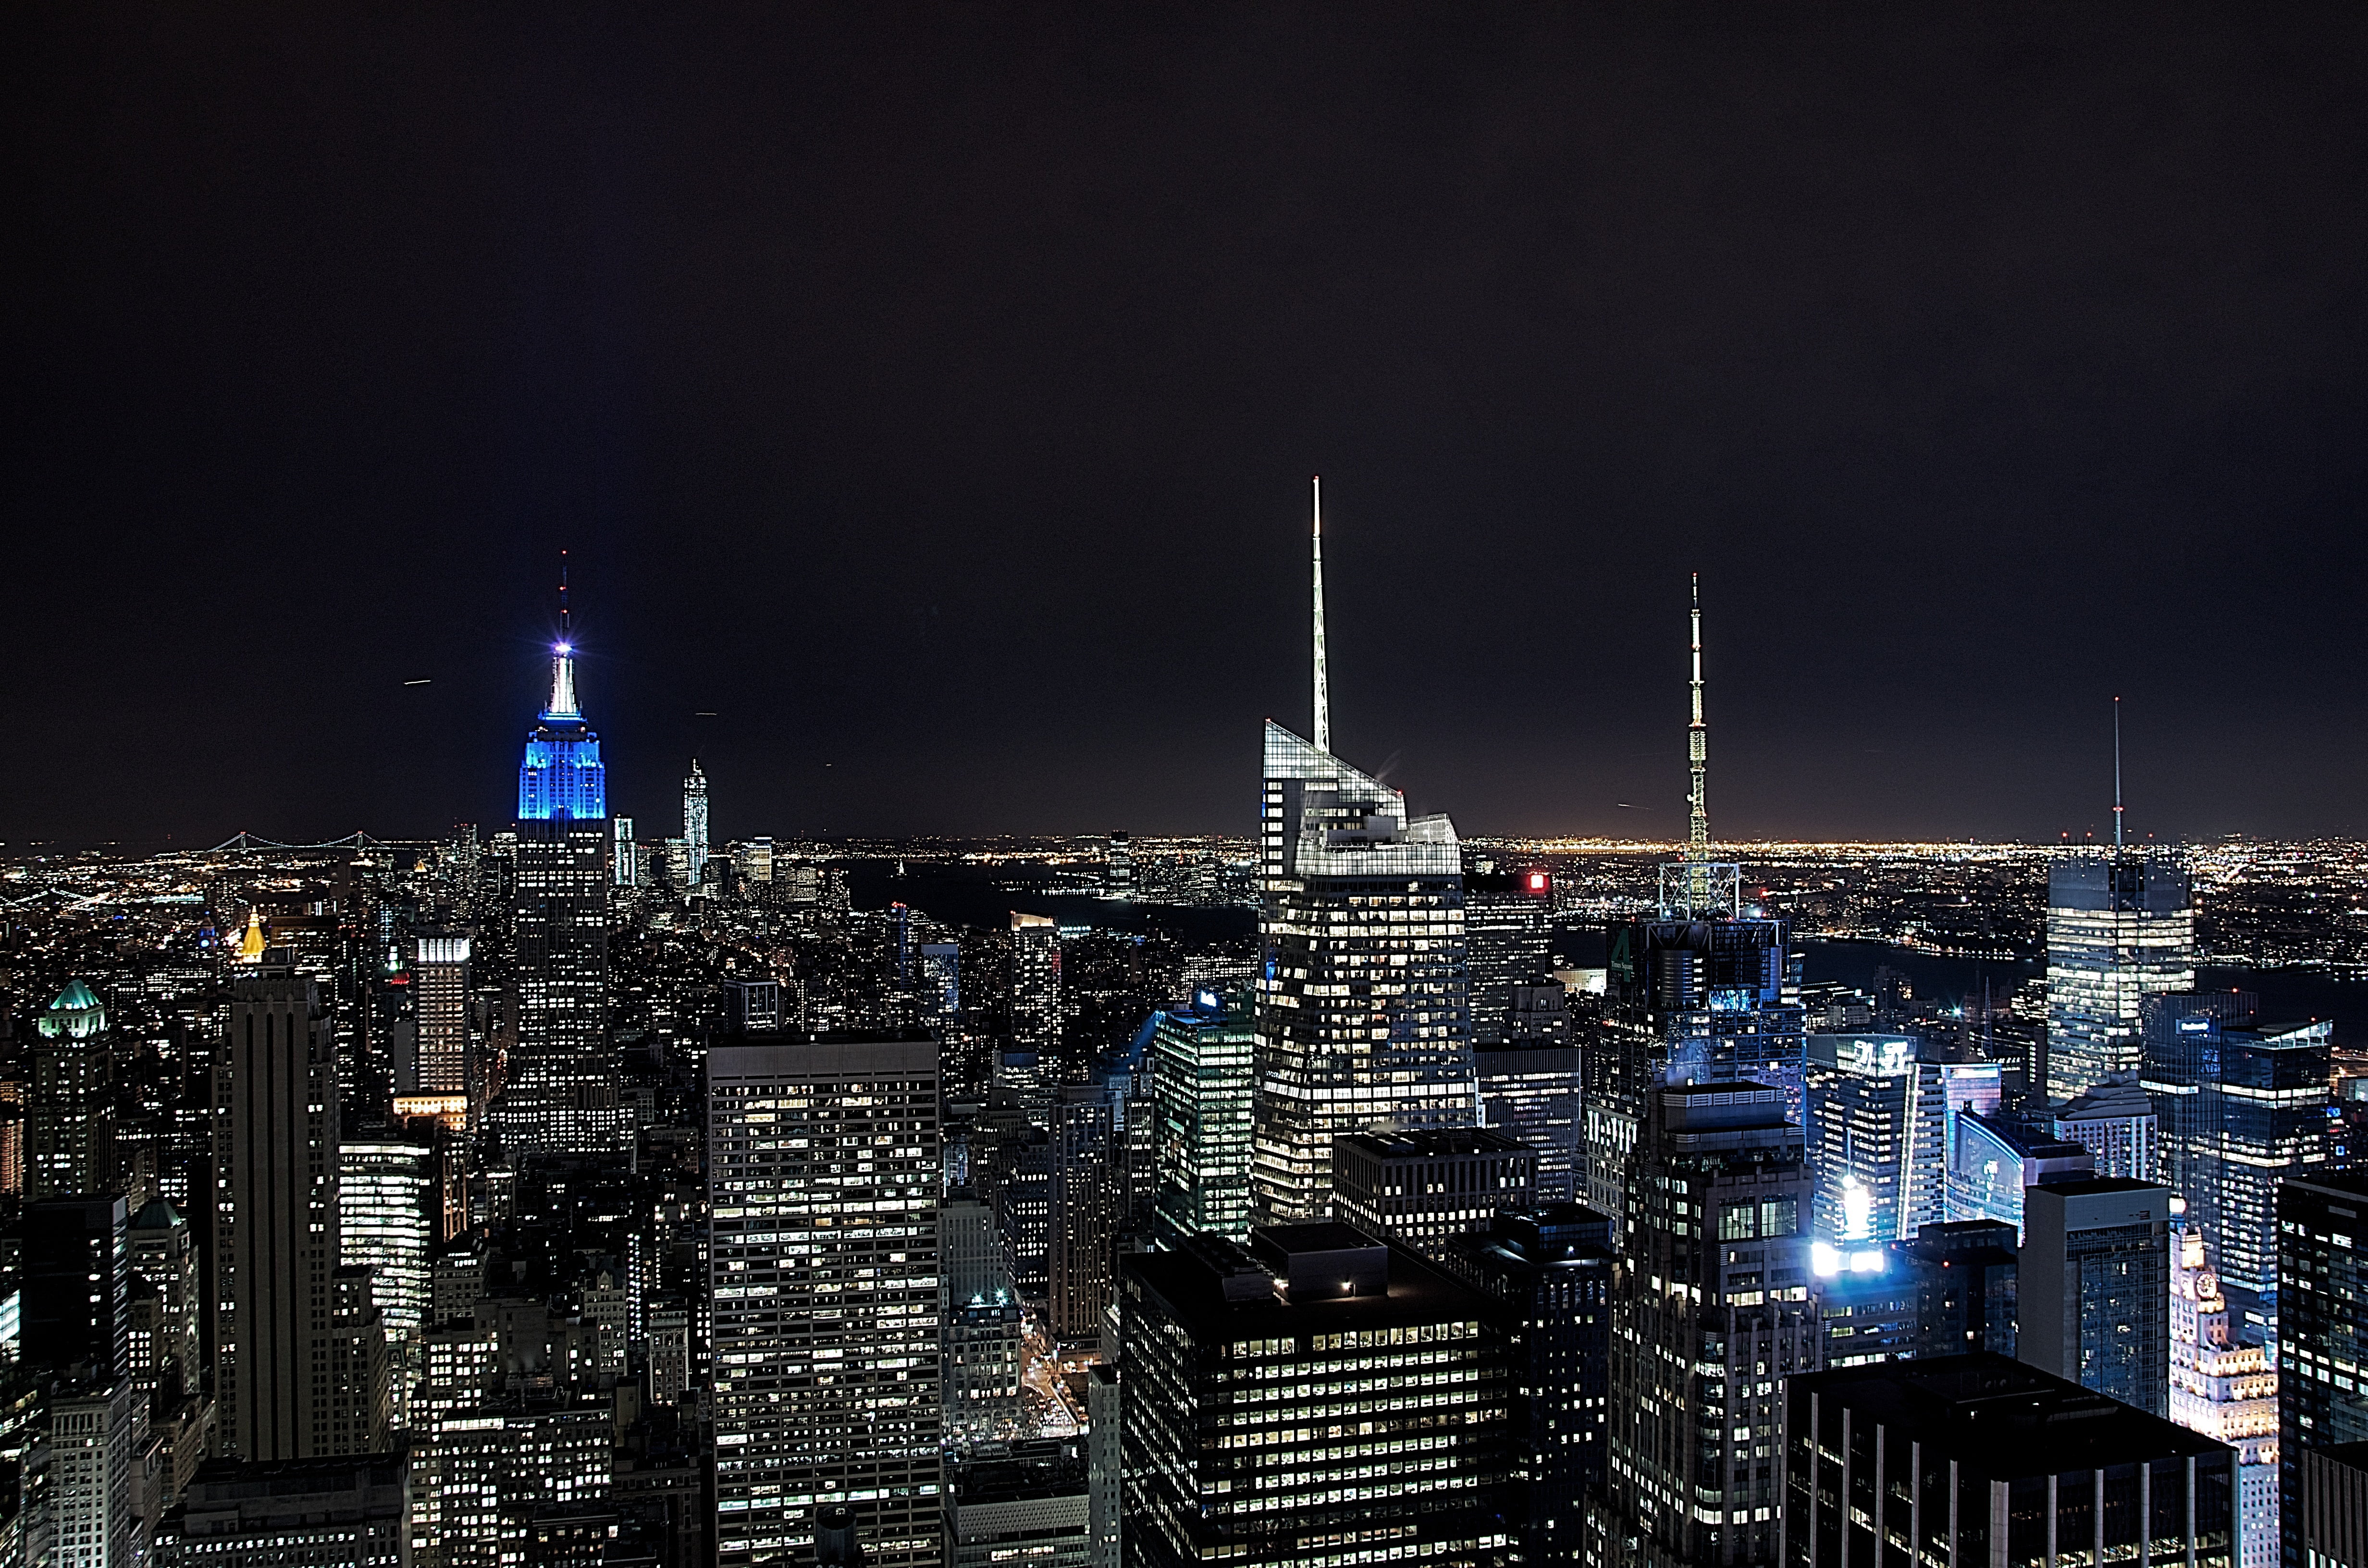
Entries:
{"x":1999,"y":1418}
{"x":1205,"y":1287}
{"x":1434,"y":1144}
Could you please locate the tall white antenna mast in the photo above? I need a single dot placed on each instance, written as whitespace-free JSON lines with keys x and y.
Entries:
{"x":1323,"y":686}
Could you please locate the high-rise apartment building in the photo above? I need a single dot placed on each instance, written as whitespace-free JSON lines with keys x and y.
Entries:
{"x":824,"y":1178}
{"x":1312,"y":1396}
{"x":2322,"y":1328}
{"x":1976,"y":1458}
{"x":292,"y":1347}
{"x":1531,"y":1086}
{"x":1202,"y":1085}
{"x":1718,"y":1308}
{"x":2243,"y":1104}
{"x":1877,"y":1139}
{"x":1426,"y":1187}
{"x":439,"y":1012}
{"x":2115,"y":1122}
{"x":70,"y":1109}
{"x":2095,"y":1283}
{"x":2223,"y":1385}
{"x":2119,"y":927}
{"x":562,"y":1090}
{"x":694,"y":826}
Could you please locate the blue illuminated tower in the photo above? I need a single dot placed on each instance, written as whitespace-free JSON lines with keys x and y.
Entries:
{"x":561,"y":776}
{"x":561,"y":1094}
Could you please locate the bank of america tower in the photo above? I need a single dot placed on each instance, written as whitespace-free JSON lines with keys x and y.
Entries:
{"x":1363,"y":1011}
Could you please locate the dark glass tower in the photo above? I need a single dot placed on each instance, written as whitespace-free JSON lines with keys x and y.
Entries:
{"x":2323,"y":1329}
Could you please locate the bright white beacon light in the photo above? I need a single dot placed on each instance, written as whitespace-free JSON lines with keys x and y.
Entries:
{"x":1825,"y":1259}
{"x":562,"y":648}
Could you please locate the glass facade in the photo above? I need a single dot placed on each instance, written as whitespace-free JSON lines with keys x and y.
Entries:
{"x":1202,"y":1080}
{"x":2322,"y":1327}
{"x":1878,"y":1127}
{"x":1363,"y":1010}
{"x":2120,"y":928}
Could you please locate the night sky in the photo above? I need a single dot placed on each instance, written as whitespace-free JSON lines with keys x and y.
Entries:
{"x":930,"y":393}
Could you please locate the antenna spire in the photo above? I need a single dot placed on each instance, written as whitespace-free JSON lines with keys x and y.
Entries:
{"x":1323,"y":686}
{"x":1697,"y":747}
{"x":2117,"y":774}
{"x":566,"y":631}
{"x":563,"y":657}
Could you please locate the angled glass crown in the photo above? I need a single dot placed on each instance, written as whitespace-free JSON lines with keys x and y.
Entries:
{"x":1327,"y":819}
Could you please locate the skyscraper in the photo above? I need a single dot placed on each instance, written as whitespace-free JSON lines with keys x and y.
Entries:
{"x":823,"y":1177}
{"x":1363,"y":1010}
{"x":981,"y":1344}
{"x":1976,"y":1459}
{"x":624,"y":853}
{"x":1703,"y":992}
{"x":164,"y":1306}
{"x":1429,"y":1186}
{"x":2322,"y":1328}
{"x":1311,"y":1398}
{"x":76,"y":1293}
{"x":1995,"y":1160}
{"x":2243,"y":1104}
{"x":2095,"y":1287}
{"x":694,"y":826}
{"x":1507,"y":933}
{"x":2115,"y":1122}
{"x":279,"y":1363}
{"x":1532,"y":1087}
{"x":2120,"y":928}
{"x":440,"y":1000}
{"x":70,"y":1112}
{"x":1032,"y":1060}
{"x":1878,"y":1127}
{"x":1202,"y":1089}
{"x":1716,"y":1310}
{"x":2223,"y":1385}
{"x":562,"y":1093}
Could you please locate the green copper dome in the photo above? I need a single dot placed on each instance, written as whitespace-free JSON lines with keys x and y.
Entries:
{"x":76,"y":1014}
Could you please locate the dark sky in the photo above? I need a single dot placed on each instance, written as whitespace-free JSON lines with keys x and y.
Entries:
{"x":931,"y":393}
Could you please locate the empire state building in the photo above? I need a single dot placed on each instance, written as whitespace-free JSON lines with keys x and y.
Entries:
{"x":561,"y":1094}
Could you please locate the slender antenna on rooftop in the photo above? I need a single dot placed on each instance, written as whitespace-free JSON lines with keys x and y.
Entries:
{"x":2117,"y":773}
{"x":564,"y":630}
{"x":1323,"y":688}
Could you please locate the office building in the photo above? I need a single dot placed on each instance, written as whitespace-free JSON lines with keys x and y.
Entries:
{"x":2094,"y":1275}
{"x":483,"y":1476}
{"x":1507,"y":941}
{"x":2115,"y":1122}
{"x":2119,"y":927}
{"x":2332,"y":1484}
{"x":76,"y":1294}
{"x":95,"y":1432}
{"x":2244,"y":1104}
{"x":70,"y":1107}
{"x":823,"y":1177}
{"x":1553,"y":1268}
{"x":1719,"y":1306}
{"x":754,"y":1007}
{"x":301,"y":1515}
{"x":387,"y":1224}
{"x":1425,"y":1187}
{"x":1036,"y":1014}
{"x":1877,"y":1138}
{"x":1994,"y":1160}
{"x":1967,"y":1296}
{"x":166,"y":1320}
{"x":1117,"y":868}
{"x":752,"y":862}
{"x":1361,"y":1010}
{"x":1312,"y":1394}
{"x":439,"y":1002}
{"x":1533,"y":1082}
{"x":694,"y":827}
{"x":2223,"y":1386}
{"x":1027,"y":1506}
{"x":1202,"y":1088}
{"x":1088,"y":1209}
{"x":941,"y":990}
{"x":1867,"y":1305}
{"x":980,"y":1358}
{"x":624,"y":854}
{"x":561,"y":1094}
{"x":2322,"y":1338}
{"x":1977,"y":1458}
{"x":287,"y":1335}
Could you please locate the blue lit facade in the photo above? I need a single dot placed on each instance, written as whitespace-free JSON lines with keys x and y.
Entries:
{"x":560,"y":776}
